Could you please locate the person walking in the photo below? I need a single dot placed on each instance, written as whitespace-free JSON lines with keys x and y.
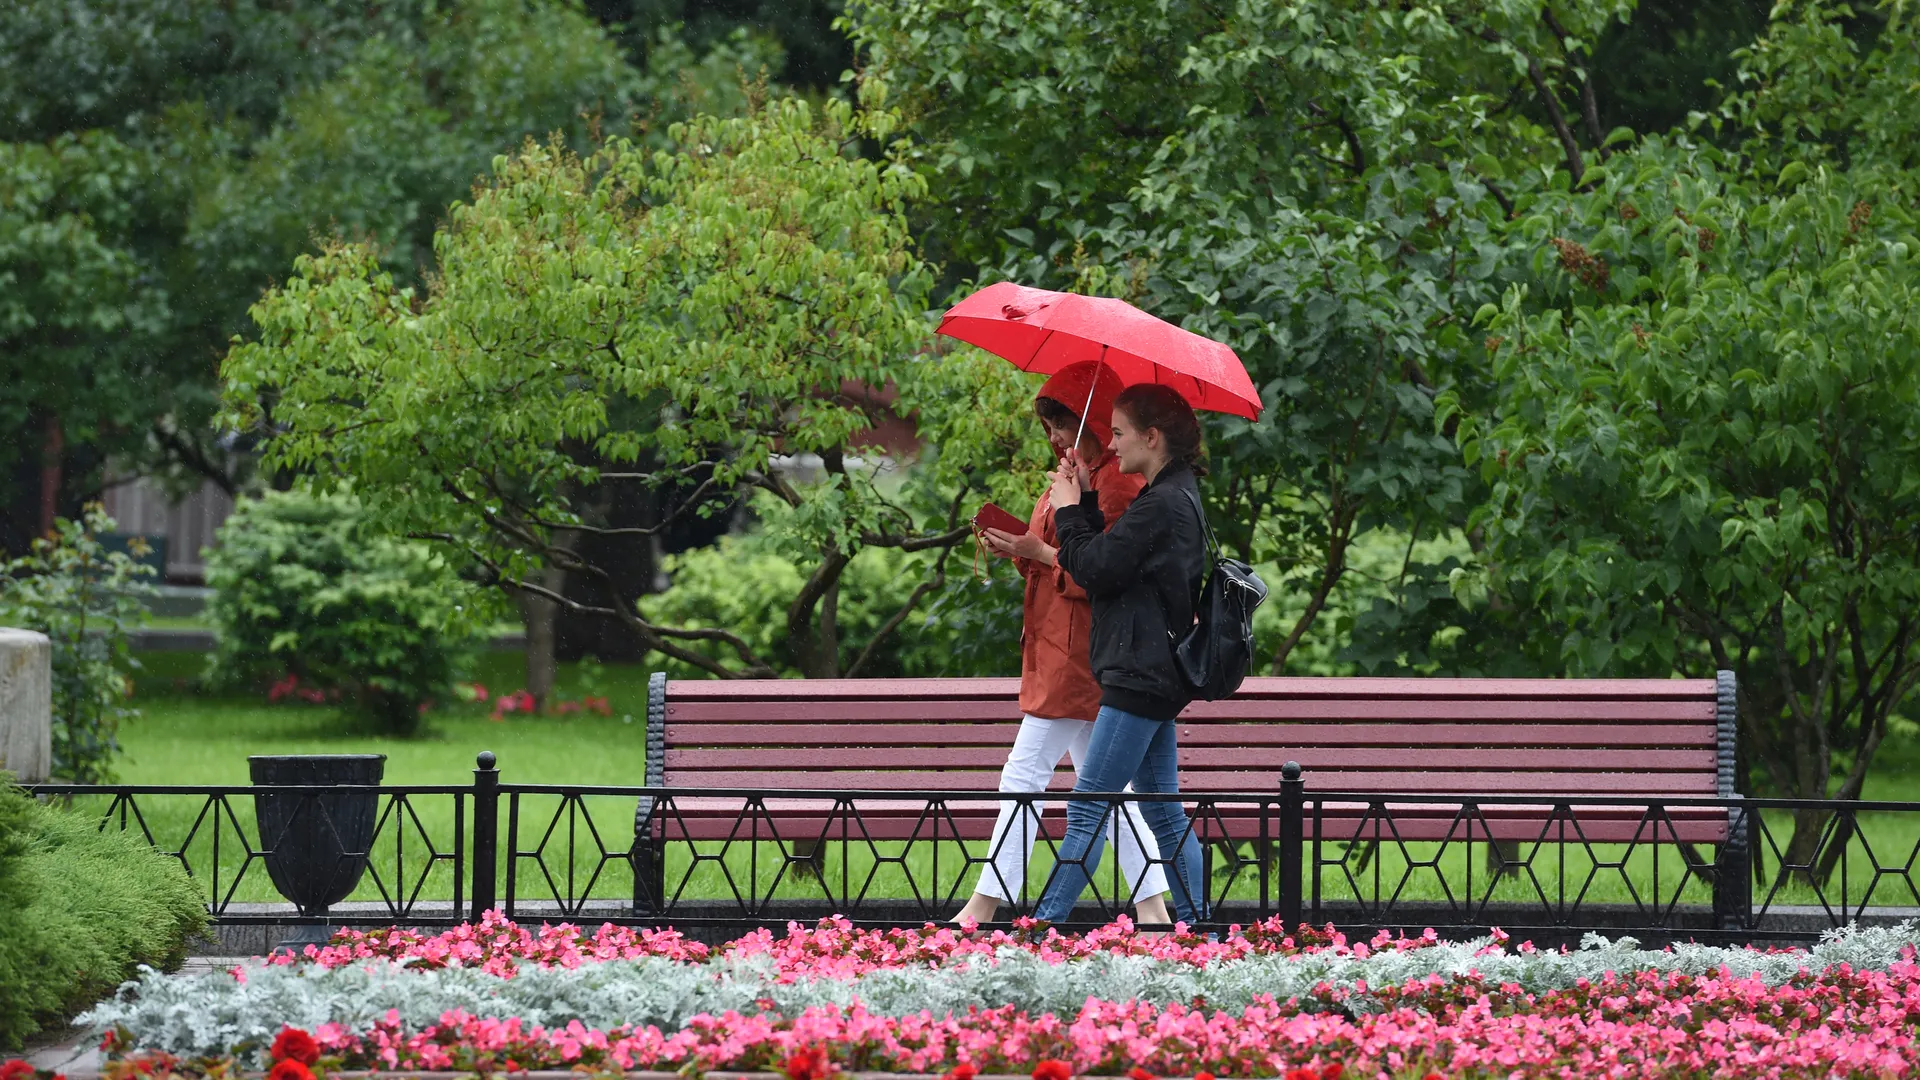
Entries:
{"x":1143,"y":575}
{"x":1058,"y":694}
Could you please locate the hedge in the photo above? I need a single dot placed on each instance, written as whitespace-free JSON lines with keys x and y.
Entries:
{"x":80,"y":910}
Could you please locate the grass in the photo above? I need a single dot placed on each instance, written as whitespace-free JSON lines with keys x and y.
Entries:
{"x":187,"y":738}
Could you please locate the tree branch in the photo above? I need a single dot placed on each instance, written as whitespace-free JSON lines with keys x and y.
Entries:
{"x":887,"y":628}
{"x":193,"y":458}
{"x":1500,"y":197}
{"x":1589,"y":108}
{"x":650,"y":635}
{"x":1359,"y":162}
{"x":1572,"y":149}
{"x":917,"y":543}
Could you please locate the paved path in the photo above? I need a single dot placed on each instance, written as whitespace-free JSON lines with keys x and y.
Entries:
{"x":77,"y":1054}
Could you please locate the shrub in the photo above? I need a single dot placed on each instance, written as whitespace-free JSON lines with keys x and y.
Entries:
{"x":84,"y":598}
{"x":745,"y":582}
{"x":80,"y":910}
{"x":303,"y":587}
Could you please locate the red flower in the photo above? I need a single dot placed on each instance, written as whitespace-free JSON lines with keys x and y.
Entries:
{"x":1332,"y":1072}
{"x":808,"y":1063}
{"x":1203,"y":1076}
{"x":292,"y":1044}
{"x":962,"y":1071}
{"x":1433,"y":1076}
{"x":1050,"y":1069}
{"x":1301,"y":1074}
{"x":16,"y":1069}
{"x":1138,"y":1073}
{"x":289,"y":1070}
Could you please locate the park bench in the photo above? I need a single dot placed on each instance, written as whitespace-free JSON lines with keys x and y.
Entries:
{"x":804,"y":741}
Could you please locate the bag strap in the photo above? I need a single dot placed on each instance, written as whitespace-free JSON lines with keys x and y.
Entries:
{"x":1206,"y":529}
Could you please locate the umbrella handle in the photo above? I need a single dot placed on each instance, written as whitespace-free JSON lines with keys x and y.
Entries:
{"x":1092,"y":384}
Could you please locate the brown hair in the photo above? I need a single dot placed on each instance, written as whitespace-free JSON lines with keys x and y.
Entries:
{"x":1053,"y":412}
{"x":1163,"y":409}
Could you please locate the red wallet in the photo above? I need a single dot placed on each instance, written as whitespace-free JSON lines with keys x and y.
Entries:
{"x":992,"y":517}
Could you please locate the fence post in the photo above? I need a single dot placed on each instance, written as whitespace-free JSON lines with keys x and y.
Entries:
{"x":486,"y":833}
{"x":1293,"y":797}
{"x":1733,"y":870}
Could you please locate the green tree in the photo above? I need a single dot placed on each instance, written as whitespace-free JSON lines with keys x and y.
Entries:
{"x":1325,"y":186}
{"x":1711,"y":393}
{"x":162,"y":164}
{"x":700,"y":314}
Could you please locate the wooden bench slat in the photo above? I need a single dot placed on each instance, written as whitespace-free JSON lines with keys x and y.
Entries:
{"x":1199,"y":759}
{"x":1445,"y":782}
{"x":1344,"y":689}
{"x":1209,"y":734}
{"x":1236,"y":710}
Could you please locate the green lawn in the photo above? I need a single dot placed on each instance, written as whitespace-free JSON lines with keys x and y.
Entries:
{"x":187,"y":738}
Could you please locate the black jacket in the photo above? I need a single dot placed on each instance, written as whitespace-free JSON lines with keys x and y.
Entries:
{"x":1144,"y":576}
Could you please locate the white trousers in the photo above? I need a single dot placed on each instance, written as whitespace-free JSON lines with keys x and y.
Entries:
{"x":1036,"y":752}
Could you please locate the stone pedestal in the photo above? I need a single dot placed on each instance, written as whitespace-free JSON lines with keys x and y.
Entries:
{"x":26,"y":704}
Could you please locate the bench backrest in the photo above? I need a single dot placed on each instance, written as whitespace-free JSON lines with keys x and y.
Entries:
{"x":1624,"y":737}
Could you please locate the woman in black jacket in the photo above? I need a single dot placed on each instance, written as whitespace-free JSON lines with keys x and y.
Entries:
{"x":1143,"y":576}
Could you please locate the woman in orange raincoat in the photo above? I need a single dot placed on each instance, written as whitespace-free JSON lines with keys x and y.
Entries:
{"x":1058,"y":693}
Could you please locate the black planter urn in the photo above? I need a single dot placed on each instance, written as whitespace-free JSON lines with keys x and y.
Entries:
{"x":316,"y":843}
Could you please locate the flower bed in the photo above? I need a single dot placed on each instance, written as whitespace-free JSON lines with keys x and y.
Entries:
{"x":499,"y":997}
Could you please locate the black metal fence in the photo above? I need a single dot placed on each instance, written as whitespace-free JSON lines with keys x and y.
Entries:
{"x":726,"y":859}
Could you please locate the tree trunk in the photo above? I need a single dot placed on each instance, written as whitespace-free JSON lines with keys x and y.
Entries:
{"x":52,"y":454}
{"x":1808,"y":824}
{"x":1330,"y":575}
{"x":813,"y":634}
{"x":818,"y":651}
{"x":541,"y":617}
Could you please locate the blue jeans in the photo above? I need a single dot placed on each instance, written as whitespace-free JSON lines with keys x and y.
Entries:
{"x":1127,"y":747}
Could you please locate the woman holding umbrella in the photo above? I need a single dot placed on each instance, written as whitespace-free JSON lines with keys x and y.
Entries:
{"x":1144,"y":575}
{"x":1058,"y":694}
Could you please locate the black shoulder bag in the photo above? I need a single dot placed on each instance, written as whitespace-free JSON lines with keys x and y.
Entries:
{"x":1215,"y":654}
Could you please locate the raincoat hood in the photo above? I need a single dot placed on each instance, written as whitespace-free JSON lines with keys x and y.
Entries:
{"x":1069,"y":387}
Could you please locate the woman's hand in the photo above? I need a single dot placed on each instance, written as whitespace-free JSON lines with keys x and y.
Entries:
{"x":1024,"y":546}
{"x":1066,"y":484}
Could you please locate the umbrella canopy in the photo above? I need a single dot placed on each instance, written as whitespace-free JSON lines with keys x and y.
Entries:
{"x":1043,"y":331}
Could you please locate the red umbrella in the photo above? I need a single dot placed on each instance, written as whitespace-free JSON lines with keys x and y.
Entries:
{"x":1045,"y":331}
